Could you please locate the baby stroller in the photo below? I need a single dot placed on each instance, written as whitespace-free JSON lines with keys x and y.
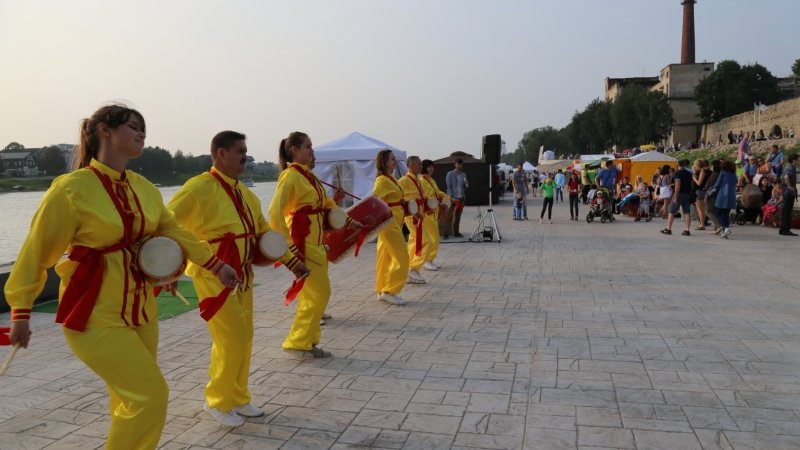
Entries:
{"x":600,"y":207}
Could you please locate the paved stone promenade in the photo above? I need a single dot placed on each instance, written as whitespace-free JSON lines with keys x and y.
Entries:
{"x":563,"y":336}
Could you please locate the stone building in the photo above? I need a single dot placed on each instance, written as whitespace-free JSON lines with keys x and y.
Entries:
{"x":677,"y":82}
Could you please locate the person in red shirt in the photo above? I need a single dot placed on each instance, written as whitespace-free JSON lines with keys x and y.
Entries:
{"x":574,"y":188}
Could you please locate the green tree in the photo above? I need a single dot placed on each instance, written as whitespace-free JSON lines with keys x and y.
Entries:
{"x":51,"y":160}
{"x":153,"y":161}
{"x":549,"y":137}
{"x":180,"y":163}
{"x":796,"y":69}
{"x":14,"y":147}
{"x":640,"y":116}
{"x":590,"y":130}
{"x":733,"y":89}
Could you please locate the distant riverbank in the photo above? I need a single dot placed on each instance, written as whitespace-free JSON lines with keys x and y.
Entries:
{"x":32,"y":184}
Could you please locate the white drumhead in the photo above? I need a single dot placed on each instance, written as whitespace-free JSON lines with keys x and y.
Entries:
{"x":446,"y":202}
{"x":432,"y":202}
{"x":413,"y":207}
{"x":160,"y":257}
{"x":336,"y":218}
{"x":273,"y":245}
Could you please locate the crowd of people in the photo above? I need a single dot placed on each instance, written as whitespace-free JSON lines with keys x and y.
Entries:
{"x":760,"y":190}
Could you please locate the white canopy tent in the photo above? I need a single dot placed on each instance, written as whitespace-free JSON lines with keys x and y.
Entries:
{"x":351,"y":161}
{"x":528,"y":167}
{"x":652,"y":156}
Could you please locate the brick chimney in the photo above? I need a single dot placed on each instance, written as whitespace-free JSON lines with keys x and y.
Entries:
{"x":687,"y":40}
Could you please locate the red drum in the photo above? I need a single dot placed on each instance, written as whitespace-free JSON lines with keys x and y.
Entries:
{"x":161,"y":260}
{"x":335,"y":219}
{"x":271,"y":247}
{"x":431,"y":204}
{"x":410,"y":208}
{"x":372,"y":212}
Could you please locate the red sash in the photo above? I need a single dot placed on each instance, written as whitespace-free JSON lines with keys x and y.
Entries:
{"x":80,"y":296}
{"x":418,"y":221}
{"x":301,"y":223}
{"x":228,"y":251}
{"x":5,"y":336}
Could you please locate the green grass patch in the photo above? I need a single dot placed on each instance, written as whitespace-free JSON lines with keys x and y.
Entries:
{"x":168,"y":306}
{"x":27,"y":184}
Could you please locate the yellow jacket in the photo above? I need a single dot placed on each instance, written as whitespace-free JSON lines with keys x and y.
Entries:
{"x":293,"y":192}
{"x":387,"y":189}
{"x":410,"y":189}
{"x":203,"y":206}
{"x":429,"y":184}
{"x":77,"y":211}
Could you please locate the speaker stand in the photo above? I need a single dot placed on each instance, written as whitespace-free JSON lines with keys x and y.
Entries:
{"x":487,"y":219}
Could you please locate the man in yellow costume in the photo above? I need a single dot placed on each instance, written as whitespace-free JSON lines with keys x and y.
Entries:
{"x":222,"y":211}
{"x":431,"y":224}
{"x":413,"y":191}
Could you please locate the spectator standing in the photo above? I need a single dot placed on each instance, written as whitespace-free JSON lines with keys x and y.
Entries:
{"x":457,"y":185}
{"x":711,"y":208}
{"x":534,"y":182}
{"x":520,"y":194}
{"x":574,"y":187}
{"x":548,"y":190}
{"x":560,"y":180}
{"x":700,"y":180}
{"x":681,"y":198}
{"x":607,"y":178}
{"x":750,"y":170}
{"x":725,"y":190}
{"x":744,"y":148}
{"x":789,"y":188}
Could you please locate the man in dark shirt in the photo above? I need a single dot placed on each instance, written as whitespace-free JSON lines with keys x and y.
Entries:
{"x":789,"y":188}
{"x":681,"y":197}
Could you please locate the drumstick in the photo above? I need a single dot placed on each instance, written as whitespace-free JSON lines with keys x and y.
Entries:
{"x":338,"y":187}
{"x":7,"y":362}
{"x":338,"y":178}
{"x":180,"y":296}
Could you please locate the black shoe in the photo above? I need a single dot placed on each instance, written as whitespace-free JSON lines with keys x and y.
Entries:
{"x":458,"y":235}
{"x":666,"y":231}
{"x":788,"y":233}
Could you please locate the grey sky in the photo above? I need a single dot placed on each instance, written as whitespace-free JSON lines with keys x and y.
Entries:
{"x":429,"y":77}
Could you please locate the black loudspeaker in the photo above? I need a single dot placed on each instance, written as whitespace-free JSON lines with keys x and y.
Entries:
{"x":491,"y":148}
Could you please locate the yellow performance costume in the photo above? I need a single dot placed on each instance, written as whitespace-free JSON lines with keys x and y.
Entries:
{"x":298,"y":210}
{"x":414,"y":192}
{"x":431,"y":224}
{"x":391,"y":258}
{"x":108,"y":311}
{"x":222,"y":211}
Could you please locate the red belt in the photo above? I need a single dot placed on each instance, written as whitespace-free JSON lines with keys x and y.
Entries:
{"x":81,"y":294}
{"x":228,"y":252}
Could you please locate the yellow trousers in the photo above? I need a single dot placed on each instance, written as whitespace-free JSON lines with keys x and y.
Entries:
{"x":125,"y":358}
{"x":431,"y":229}
{"x":311,"y":302}
{"x":391,"y":260}
{"x":231,"y":331}
{"x":415,"y":262}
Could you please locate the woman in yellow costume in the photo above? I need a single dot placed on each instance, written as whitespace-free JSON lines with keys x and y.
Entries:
{"x":431,"y":224}
{"x":391,"y":258}
{"x":101,"y":213}
{"x":298,"y":211}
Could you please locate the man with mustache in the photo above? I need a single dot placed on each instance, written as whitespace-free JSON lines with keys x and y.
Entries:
{"x":221,"y":210}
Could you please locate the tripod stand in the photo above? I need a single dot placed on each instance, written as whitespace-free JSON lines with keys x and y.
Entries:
{"x":483,"y":221}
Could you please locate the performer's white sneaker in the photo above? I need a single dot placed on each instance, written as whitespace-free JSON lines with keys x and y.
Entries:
{"x":249,"y":410}
{"x":315,"y":352}
{"x":414,"y":277}
{"x":391,"y":298}
{"x":429,"y":265}
{"x":229,"y":419}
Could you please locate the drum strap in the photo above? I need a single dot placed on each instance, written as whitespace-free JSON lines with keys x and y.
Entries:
{"x":81,"y":293}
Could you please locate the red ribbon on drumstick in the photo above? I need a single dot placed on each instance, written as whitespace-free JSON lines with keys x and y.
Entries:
{"x":5,"y":339}
{"x":295,"y":288}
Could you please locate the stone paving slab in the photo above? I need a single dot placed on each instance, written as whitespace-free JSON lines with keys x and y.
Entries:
{"x":563,"y":336}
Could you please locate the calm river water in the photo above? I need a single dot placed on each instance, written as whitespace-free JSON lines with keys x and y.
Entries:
{"x":17,"y":210}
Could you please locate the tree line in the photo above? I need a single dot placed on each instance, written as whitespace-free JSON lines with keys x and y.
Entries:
{"x":154,"y":161}
{"x":641,"y":116}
